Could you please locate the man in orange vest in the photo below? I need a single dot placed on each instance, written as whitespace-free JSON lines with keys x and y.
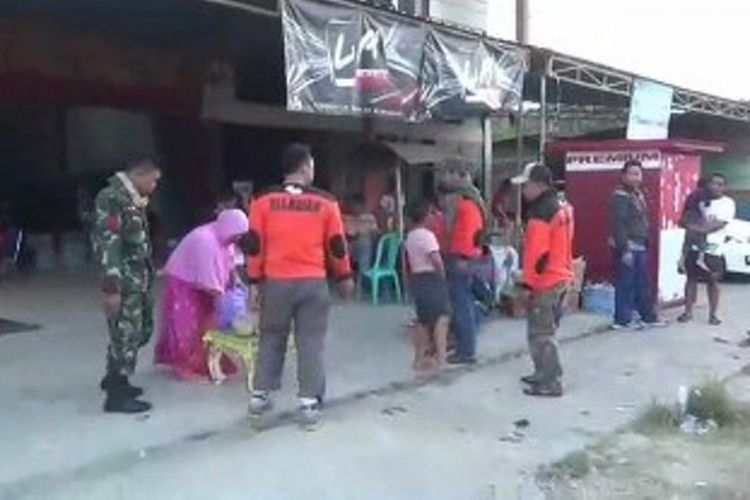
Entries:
{"x":465,"y":226}
{"x":296,"y":239}
{"x":547,"y":273}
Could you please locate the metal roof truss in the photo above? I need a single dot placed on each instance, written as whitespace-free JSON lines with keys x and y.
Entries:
{"x":612,"y":81}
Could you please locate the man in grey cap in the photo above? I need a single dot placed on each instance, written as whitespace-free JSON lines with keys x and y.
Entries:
{"x":465,"y":226}
{"x":547,"y":273}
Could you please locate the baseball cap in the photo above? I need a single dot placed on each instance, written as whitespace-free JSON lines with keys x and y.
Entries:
{"x":534,"y":172}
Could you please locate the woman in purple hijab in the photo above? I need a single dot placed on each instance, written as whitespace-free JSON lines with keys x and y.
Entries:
{"x":200,"y":270}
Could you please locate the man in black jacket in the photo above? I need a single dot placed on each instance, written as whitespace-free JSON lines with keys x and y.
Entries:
{"x":630,"y":242}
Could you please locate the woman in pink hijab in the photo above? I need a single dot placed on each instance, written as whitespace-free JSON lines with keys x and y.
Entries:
{"x":201,"y":269}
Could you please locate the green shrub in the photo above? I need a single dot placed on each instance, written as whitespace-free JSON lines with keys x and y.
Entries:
{"x":657,"y":417}
{"x":712,"y":402}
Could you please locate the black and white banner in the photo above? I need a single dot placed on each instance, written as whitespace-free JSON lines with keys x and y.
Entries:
{"x":464,"y":76}
{"x":348,"y":61}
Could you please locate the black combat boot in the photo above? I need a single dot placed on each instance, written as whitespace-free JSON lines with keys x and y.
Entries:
{"x":121,"y":383}
{"x":117,"y":402}
{"x":120,"y":396}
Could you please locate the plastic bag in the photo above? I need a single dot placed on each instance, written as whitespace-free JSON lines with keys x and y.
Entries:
{"x":231,"y":308}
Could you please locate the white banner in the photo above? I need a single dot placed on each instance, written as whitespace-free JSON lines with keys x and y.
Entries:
{"x":650,"y":110}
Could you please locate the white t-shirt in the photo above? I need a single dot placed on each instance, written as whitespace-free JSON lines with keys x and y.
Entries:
{"x":723,"y":209}
{"x":420,"y":244}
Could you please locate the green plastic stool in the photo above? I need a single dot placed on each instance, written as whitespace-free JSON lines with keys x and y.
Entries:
{"x":385,"y":267}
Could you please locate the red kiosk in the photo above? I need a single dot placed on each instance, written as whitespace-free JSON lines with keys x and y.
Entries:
{"x":671,"y":171}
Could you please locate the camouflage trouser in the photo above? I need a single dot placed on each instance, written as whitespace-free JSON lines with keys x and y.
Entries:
{"x":544,"y":314}
{"x":130,"y":328}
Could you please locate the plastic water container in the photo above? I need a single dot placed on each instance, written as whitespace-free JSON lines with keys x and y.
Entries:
{"x":599,"y":299}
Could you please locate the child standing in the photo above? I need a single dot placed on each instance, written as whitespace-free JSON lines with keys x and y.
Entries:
{"x":696,"y":207}
{"x":430,"y":292}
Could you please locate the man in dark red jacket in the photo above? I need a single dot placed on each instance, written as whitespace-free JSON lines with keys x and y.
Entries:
{"x":547,"y":273}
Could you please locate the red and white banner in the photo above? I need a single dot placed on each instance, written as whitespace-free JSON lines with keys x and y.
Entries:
{"x":591,"y":161}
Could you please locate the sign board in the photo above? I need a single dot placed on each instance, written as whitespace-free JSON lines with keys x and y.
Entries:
{"x":650,"y":110}
{"x":590,"y":161}
{"x":347,"y":60}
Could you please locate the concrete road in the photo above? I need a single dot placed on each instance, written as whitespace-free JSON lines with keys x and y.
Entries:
{"x":386,"y":435}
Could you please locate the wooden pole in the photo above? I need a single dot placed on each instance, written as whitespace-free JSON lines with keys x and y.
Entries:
{"x":400,"y":224}
{"x":487,"y":171}
{"x":400,"y":202}
{"x":542,"y":115}
{"x":519,"y":157}
{"x":522,"y":21}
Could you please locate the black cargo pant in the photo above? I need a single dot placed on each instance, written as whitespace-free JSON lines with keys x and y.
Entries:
{"x":305,"y":304}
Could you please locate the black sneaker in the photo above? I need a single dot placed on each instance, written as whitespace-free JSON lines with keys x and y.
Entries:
{"x":126,"y":405}
{"x":455,"y":359}
{"x":545,"y":390}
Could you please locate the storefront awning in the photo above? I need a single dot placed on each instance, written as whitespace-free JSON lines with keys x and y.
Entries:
{"x":429,"y":155}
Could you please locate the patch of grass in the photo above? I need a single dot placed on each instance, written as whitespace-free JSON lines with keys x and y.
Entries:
{"x":712,"y":402}
{"x":658,"y":417}
{"x":575,"y":465}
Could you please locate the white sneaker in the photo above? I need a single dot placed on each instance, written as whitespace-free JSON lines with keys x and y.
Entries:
{"x":618,"y":327}
{"x":260,"y":403}
{"x":659,"y":323}
{"x":310,"y":415}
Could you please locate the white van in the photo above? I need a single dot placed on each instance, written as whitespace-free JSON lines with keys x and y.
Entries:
{"x":735,"y":250}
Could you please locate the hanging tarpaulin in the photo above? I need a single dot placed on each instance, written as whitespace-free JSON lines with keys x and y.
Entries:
{"x":388,"y":78}
{"x":320,"y":67}
{"x":464,"y":76}
{"x":350,"y":61}
{"x":344,"y":61}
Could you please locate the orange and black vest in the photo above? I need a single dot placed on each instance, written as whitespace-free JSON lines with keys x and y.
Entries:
{"x":548,"y":253}
{"x":468,"y":229}
{"x":296,"y":232}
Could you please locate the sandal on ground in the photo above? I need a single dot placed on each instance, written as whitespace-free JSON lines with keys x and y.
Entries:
{"x":685,"y":318}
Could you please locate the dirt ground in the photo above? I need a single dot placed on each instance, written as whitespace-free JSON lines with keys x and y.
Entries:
{"x":658,"y":465}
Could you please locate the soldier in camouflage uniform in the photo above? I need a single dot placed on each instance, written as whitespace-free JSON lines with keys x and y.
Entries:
{"x":122,"y":245}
